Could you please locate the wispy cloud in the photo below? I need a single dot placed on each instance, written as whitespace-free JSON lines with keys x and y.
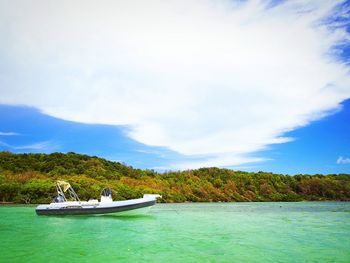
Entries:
{"x":9,"y":133}
{"x":343,"y":160}
{"x":34,"y":146}
{"x":222,"y":161}
{"x":45,"y":145}
{"x":221,"y":79}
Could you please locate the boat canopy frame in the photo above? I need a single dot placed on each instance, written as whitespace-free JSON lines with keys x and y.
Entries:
{"x":66,"y":188}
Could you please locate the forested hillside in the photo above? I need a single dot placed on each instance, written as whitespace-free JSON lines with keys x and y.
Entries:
{"x":29,"y":178}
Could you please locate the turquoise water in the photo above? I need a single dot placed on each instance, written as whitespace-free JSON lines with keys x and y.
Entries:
{"x":196,"y":232}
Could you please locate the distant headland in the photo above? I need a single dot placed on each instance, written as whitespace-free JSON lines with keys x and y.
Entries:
{"x":29,"y":178}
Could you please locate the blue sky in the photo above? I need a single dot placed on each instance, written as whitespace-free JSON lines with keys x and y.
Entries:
{"x":169,"y":85}
{"x":39,"y":133}
{"x":316,"y":147}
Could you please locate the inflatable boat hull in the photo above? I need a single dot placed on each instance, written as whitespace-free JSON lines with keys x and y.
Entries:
{"x":113,"y":207}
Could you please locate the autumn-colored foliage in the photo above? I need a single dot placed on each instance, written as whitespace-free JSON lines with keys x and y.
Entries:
{"x":29,"y":178}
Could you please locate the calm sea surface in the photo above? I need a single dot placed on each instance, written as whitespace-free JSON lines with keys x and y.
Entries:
{"x":199,"y":232}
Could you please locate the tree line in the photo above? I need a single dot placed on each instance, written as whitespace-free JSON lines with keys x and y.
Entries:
{"x":30,"y":178}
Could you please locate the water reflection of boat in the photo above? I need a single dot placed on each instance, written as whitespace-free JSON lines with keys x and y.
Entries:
{"x":64,"y":205}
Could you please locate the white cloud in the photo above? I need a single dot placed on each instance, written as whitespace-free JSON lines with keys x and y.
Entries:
{"x":217,"y":80}
{"x":342,"y":160}
{"x":8,"y":133}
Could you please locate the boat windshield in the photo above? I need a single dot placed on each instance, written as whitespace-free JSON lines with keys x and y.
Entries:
{"x":106,"y":192}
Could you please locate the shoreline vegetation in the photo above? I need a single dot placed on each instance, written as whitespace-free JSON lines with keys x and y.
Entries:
{"x":29,"y":179}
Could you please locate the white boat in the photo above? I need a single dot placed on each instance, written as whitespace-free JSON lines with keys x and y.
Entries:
{"x":63,"y":206}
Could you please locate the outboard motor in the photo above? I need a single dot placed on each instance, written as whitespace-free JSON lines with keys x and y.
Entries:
{"x":106,"y":195}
